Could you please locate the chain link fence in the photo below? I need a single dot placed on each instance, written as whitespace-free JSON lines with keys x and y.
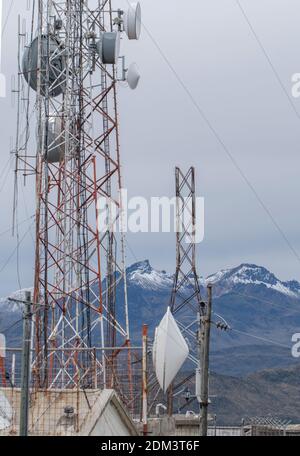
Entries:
{"x":63,"y":397}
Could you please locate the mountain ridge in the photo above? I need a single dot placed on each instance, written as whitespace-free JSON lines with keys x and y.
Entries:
{"x":245,"y":273}
{"x":143,"y":274}
{"x":255,"y":303}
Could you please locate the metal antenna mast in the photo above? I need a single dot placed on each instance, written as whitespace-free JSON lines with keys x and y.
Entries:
{"x":186,"y":303}
{"x":186,"y":274}
{"x":71,"y":63}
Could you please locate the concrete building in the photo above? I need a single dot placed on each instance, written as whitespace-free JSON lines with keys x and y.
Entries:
{"x":67,"y":413}
{"x":176,"y":425}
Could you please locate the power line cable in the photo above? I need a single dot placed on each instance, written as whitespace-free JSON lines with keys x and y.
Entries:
{"x":7,"y":16}
{"x":8,"y":230}
{"x":131,"y":251}
{"x":260,"y":44}
{"x":266,"y":301}
{"x":14,"y":251}
{"x":5,"y":174}
{"x":263,"y":339}
{"x":11,"y":326}
{"x":222,"y":144}
{"x":5,"y":166}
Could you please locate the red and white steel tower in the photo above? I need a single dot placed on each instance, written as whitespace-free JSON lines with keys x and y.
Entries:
{"x":68,"y":76}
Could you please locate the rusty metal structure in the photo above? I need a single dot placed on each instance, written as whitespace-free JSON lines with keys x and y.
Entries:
{"x":68,"y":81}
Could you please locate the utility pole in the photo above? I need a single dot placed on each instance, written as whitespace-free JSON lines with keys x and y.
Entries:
{"x":205,"y":329}
{"x":145,"y":381}
{"x":2,"y":359}
{"x":25,"y":379}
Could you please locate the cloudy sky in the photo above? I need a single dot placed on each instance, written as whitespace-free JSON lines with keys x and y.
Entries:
{"x":216,"y":94}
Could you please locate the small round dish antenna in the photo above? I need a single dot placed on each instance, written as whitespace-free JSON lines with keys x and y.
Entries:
{"x":133,"y":21}
{"x":108,"y":47}
{"x":133,"y":76}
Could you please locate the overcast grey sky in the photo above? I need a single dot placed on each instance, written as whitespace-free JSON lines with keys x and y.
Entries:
{"x":214,"y":54}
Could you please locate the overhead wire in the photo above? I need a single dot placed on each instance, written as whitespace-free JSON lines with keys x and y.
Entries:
{"x":5,"y":174}
{"x":8,"y":230}
{"x":14,"y":251}
{"x":5,"y":166}
{"x":222,"y":144}
{"x":266,"y":301}
{"x":268,"y":58}
{"x":7,"y":16}
{"x":292,"y":249}
{"x":263,"y":339}
{"x":224,"y":147}
{"x":4,"y":331}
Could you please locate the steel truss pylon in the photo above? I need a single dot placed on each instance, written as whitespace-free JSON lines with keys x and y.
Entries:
{"x":77,"y":267}
{"x":186,"y":303}
{"x":186,"y":288}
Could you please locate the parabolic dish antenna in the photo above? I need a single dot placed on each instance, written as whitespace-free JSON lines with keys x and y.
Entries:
{"x":133,"y":76}
{"x":133,"y":21}
{"x":6,"y":412}
{"x":108,"y":47}
{"x":55,"y":55}
{"x":170,"y":351}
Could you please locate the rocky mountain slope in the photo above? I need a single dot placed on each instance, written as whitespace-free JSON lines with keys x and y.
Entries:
{"x":272,"y":392}
{"x":256,"y":304}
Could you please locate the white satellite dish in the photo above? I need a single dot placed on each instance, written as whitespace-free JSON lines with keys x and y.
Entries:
{"x":108,"y":47}
{"x":170,"y":351}
{"x":6,"y":412}
{"x":2,"y":346}
{"x":133,"y":21}
{"x":133,"y":76}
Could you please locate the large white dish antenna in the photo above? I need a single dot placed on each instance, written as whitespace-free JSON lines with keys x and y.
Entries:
{"x":108,"y":47}
{"x":2,"y":346}
{"x":133,"y":21}
{"x":6,"y":412}
{"x":170,"y":351}
{"x":133,"y":76}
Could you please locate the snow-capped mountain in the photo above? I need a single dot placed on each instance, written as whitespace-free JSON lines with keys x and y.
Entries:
{"x":143,"y":275}
{"x":251,"y":274}
{"x":249,"y":297}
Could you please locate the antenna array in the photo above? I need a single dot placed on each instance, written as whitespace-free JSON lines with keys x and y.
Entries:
{"x":68,"y":81}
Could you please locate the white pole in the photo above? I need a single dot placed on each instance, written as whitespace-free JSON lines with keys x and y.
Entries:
{"x":13,"y":370}
{"x":2,"y":77}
